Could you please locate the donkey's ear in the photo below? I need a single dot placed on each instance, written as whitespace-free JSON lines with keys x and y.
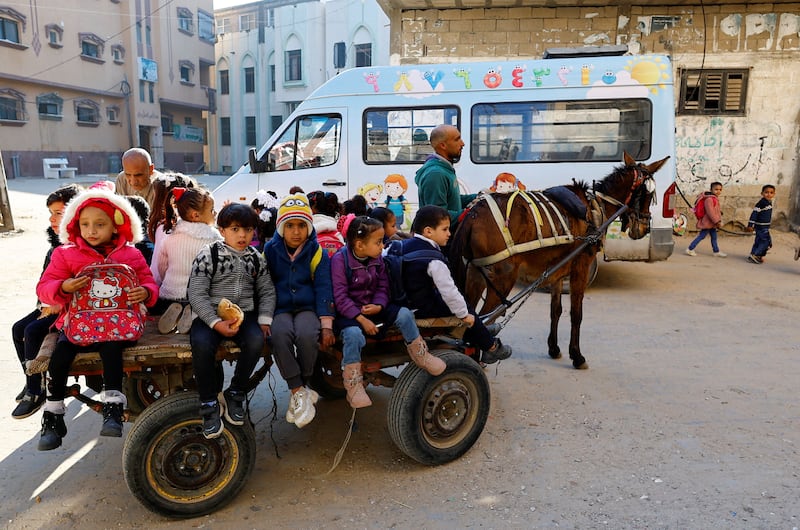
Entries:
{"x":628,"y":159}
{"x":655,"y":166}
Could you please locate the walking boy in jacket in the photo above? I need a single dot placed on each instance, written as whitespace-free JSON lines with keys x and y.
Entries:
{"x":760,"y":220}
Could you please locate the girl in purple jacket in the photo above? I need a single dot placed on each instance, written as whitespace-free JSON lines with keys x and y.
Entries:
{"x":361,"y":293}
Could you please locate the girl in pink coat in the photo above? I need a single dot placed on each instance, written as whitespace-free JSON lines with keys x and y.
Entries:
{"x":98,"y":227}
{"x":711,"y":220}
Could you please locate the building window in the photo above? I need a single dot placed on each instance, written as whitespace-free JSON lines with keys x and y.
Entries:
{"x":294,"y":65}
{"x":54,"y":35}
{"x":10,"y":20}
{"x":247,"y":22}
{"x":205,"y":26}
{"x":187,"y":120}
{"x":118,"y":53}
{"x":12,"y":105}
{"x":225,"y":131}
{"x":717,"y":91}
{"x":364,"y":54}
{"x":275,"y":122}
{"x":146,"y":91}
{"x":148,"y":35}
{"x":112,"y":114}
{"x":270,"y":18}
{"x":249,"y":80}
{"x":91,"y":47}
{"x":224,"y":83}
{"x":166,"y":123}
{"x":272,"y":78}
{"x":223,"y":26}
{"x":49,"y":106}
{"x":185,"y":21}
{"x":87,"y":112}
{"x":187,"y":71}
{"x":250,"y":130}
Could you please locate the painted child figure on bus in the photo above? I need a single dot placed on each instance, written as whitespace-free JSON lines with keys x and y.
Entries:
{"x":30,"y":331}
{"x":98,"y":227}
{"x":326,"y":212}
{"x":361,"y":292}
{"x":304,"y":310}
{"x":710,"y":221}
{"x":431,"y":290}
{"x":188,"y":227}
{"x":395,"y":186}
{"x":230,"y":269}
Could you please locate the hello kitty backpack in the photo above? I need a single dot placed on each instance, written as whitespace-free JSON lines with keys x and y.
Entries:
{"x":100,"y":312}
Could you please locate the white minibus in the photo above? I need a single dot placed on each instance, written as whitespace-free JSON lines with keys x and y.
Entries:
{"x":547,"y":122}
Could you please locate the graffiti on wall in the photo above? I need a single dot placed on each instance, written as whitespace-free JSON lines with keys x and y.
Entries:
{"x":729,"y":151}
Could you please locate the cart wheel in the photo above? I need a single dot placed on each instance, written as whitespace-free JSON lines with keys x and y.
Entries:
{"x":141,"y":391}
{"x":327,"y":377}
{"x":173,"y":470}
{"x":437,"y":419}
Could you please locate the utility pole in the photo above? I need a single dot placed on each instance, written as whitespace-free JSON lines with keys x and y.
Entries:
{"x":7,"y":219}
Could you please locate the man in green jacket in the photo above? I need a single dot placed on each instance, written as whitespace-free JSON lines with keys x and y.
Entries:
{"x":436,"y":179}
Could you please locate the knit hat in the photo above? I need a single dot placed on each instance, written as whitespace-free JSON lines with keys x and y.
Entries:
{"x":101,"y":195}
{"x":294,"y":207}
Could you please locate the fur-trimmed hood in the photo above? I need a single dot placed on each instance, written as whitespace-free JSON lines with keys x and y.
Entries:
{"x":124,"y":217}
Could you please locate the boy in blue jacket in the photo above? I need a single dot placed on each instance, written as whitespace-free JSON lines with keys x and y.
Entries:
{"x":304,"y":309}
{"x":760,"y":220}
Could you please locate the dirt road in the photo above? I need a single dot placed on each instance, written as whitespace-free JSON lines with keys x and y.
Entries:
{"x":688,"y":417}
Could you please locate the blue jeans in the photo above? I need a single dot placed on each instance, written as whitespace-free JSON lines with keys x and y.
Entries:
{"x":762,"y":243}
{"x":702,"y":235}
{"x":205,"y":342}
{"x":353,"y":339}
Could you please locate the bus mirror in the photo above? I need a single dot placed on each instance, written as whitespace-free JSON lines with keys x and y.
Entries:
{"x":256,"y":166}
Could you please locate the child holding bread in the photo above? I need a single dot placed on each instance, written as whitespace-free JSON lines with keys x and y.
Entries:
{"x":228,"y":277}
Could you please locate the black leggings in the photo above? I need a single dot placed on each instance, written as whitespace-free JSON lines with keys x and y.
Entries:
{"x":64,"y":354}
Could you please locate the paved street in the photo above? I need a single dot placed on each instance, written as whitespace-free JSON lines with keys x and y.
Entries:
{"x":688,"y":417}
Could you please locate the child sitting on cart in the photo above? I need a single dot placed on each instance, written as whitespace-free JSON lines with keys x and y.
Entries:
{"x":234,"y":270}
{"x":98,"y":227}
{"x":361,"y":293}
{"x":430,"y":288}
{"x":304,"y":309}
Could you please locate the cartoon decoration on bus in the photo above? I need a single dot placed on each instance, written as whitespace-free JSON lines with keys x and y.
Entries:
{"x":585,"y":70}
{"x":463,"y":73}
{"x":506,"y":183}
{"x":516,"y":76}
{"x":562,"y":74}
{"x":492,"y":79}
{"x":371,"y":193}
{"x":539,"y":74}
{"x":433,"y":78}
{"x":395,"y":186}
{"x":372,"y":79}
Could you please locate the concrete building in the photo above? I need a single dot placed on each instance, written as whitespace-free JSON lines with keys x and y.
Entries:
{"x":87,"y":81}
{"x":737,"y":64}
{"x":273,"y":54}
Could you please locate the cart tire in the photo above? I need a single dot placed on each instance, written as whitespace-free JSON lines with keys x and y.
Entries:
{"x":141,"y":392}
{"x":173,"y":470}
{"x":327,"y":380}
{"x":435,"y":420}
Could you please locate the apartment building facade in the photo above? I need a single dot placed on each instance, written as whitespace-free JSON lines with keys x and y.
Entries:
{"x":273,"y":54}
{"x":87,"y":81}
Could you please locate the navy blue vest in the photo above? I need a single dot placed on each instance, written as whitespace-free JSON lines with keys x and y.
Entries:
{"x":421,"y":292}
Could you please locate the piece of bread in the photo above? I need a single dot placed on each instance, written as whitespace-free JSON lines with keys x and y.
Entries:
{"x":227,"y":310}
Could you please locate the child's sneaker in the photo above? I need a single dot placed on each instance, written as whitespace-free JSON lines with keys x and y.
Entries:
{"x":53,"y":430}
{"x":690,"y":252}
{"x":234,"y":408}
{"x":497,"y":352}
{"x":301,"y":408}
{"x":112,"y":420}
{"x":185,"y":321}
{"x":752,"y":258}
{"x":168,"y":321}
{"x":418,"y":351}
{"x":212,"y":422}
{"x":28,"y":405}
{"x":720,"y":254}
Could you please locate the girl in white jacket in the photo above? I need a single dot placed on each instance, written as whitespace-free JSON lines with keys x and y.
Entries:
{"x":188,"y":227}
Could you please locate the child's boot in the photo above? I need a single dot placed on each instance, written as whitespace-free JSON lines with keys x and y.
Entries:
{"x":53,"y":426}
{"x":113,"y":406}
{"x":418,"y":351}
{"x":353,"y":383}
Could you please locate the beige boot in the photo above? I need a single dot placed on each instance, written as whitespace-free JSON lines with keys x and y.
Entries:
{"x":418,"y":351}
{"x":356,"y":395}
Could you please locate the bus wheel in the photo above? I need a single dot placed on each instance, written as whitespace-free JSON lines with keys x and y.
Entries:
{"x":435,"y":420}
{"x":173,"y":470}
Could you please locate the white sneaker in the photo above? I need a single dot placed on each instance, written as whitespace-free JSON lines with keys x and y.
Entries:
{"x":301,"y":408}
{"x":720,"y":254}
{"x":690,"y":252}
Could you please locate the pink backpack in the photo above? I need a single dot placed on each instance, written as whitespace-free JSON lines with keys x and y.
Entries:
{"x":100,"y":312}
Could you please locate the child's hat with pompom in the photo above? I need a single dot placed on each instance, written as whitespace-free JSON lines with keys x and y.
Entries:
{"x":294,"y":207}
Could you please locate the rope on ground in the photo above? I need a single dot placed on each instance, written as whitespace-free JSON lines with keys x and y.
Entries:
{"x":340,"y":452}
{"x":272,"y":414}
